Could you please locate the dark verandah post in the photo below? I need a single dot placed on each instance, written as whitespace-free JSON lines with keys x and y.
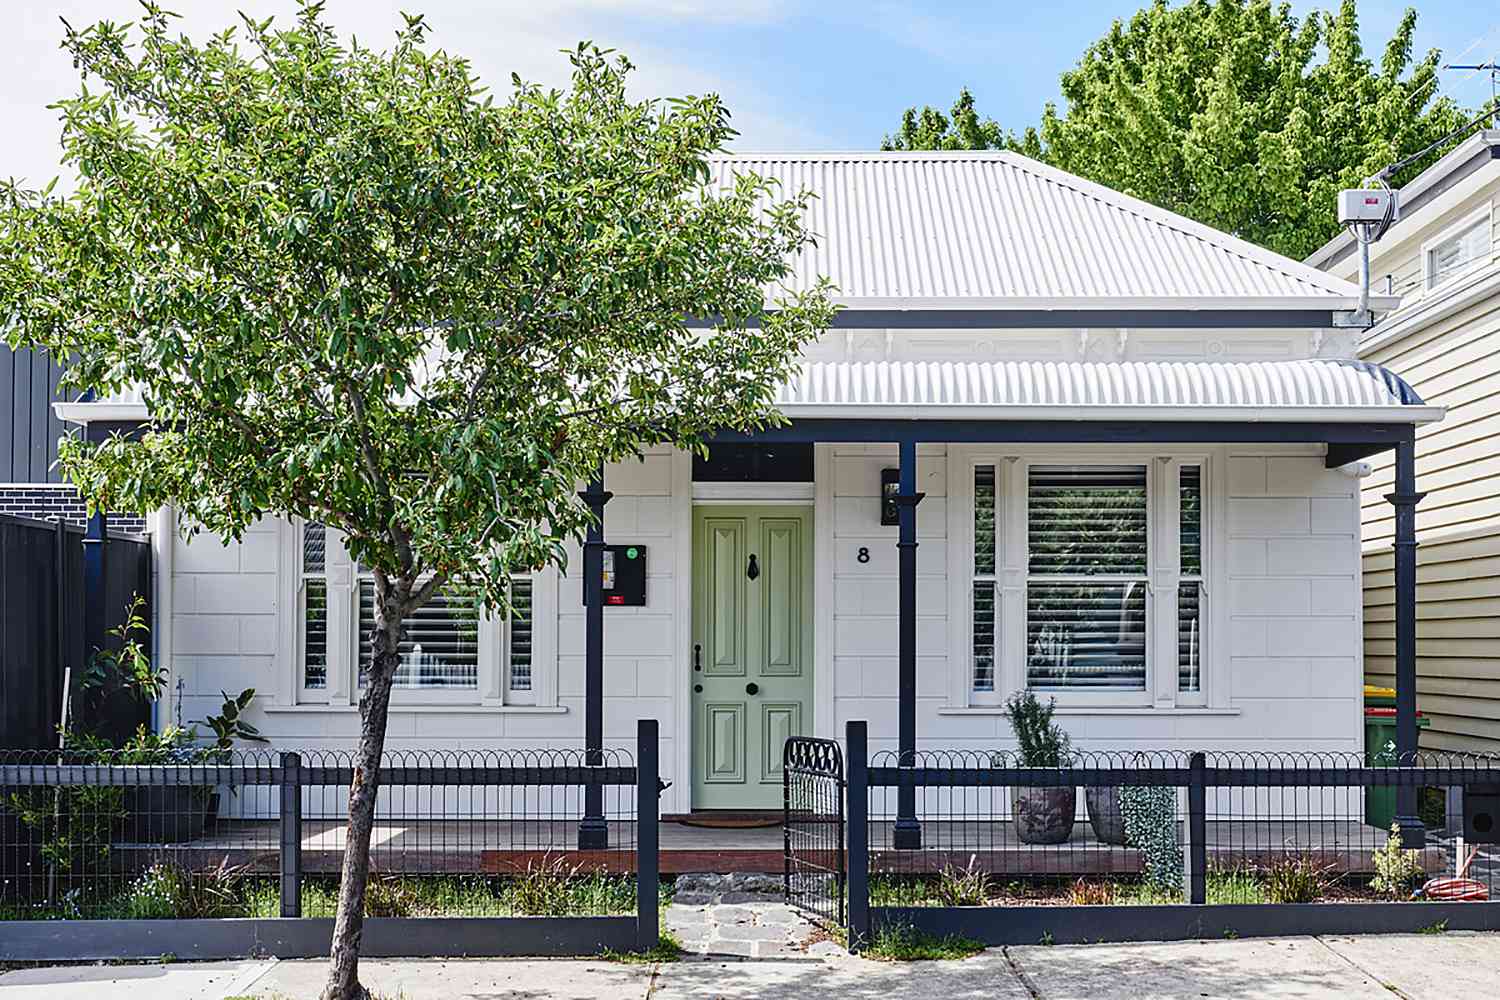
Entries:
{"x":291,"y":835}
{"x":1197,"y":829}
{"x":857,"y":751}
{"x":907,"y":834}
{"x":648,"y":877}
{"x":593,"y":832}
{"x":1404,"y":498}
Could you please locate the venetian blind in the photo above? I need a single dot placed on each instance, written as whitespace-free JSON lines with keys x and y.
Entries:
{"x":1086,"y":577}
{"x":441,"y":646}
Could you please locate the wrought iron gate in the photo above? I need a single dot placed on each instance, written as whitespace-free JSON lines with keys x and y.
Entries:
{"x":812,"y":824}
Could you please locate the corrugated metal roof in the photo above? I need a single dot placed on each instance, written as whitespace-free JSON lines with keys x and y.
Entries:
{"x":997,"y":230}
{"x":1082,"y":390}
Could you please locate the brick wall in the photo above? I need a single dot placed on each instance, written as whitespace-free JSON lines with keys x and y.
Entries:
{"x":47,"y":502}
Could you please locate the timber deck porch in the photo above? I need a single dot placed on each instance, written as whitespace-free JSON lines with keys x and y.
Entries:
{"x":502,"y":847}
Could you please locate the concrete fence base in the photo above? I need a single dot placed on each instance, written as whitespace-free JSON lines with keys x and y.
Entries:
{"x":283,"y":937}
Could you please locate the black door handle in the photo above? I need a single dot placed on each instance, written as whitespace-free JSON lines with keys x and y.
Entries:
{"x":753,"y":569}
{"x":697,"y":656}
{"x":752,"y":688}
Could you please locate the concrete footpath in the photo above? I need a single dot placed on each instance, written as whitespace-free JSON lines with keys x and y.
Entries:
{"x":1452,"y":966}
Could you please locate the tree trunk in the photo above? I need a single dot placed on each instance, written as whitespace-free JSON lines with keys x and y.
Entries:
{"x":374,"y":707}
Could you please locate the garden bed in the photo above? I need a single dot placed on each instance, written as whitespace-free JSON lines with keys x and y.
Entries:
{"x":166,"y":892}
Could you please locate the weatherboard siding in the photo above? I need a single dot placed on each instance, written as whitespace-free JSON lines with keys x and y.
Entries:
{"x":1453,"y":363}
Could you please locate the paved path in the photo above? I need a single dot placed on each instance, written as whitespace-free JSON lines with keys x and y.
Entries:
{"x":759,"y":951}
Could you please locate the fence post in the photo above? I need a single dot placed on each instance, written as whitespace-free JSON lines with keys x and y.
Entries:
{"x":648,"y":862}
{"x":1197,"y":829}
{"x":291,"y":834}
{"x":857,"y":740}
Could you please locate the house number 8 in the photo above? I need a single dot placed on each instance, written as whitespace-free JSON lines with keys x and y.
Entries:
{"x":863,"y":555}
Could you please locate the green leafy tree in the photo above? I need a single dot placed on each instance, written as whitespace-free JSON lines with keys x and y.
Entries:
{"x":1236,"y":113}
{"x":350,"y":287}
{"x":961,"y":128}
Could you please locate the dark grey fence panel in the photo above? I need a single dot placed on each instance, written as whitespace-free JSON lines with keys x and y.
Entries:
{"x":194,"y":852}
{"x":1169,"y":844}
{"x":42,"y":633}
{"x":30,"y":681}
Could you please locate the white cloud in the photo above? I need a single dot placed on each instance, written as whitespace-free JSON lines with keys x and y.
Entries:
{"x":498,"y":37}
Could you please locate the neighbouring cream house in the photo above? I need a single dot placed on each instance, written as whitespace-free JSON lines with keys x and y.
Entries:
{"x":1440,"y":258}
{"x":1057,"y":438}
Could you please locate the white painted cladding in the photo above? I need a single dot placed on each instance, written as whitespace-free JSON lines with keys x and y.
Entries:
{"x":1284,"y":647}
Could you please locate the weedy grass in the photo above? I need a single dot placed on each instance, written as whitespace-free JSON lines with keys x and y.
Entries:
{"x":902,"y":943}
{"x":668,"y":949}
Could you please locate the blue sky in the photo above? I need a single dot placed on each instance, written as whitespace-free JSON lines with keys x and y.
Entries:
{"x":797,"y":75}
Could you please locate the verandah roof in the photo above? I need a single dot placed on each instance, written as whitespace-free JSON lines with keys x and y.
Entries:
{"x":1314,"y":390}
{"x":1277,"y":391}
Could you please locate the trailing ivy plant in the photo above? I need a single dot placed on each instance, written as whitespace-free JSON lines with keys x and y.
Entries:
{"x":351,"y":286}
{"x":1150,"y":813}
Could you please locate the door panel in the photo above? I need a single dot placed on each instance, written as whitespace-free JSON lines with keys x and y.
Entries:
{"x":778,"y":722}
{"x":725,"y":636}
{"x":752,"y":671}
{"x":725,"y":760}
{"x":781,"y":620}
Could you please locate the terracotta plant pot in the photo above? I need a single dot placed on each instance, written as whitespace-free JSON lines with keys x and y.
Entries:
{"x":1105,"y":815}
{"x":1043,"y":815}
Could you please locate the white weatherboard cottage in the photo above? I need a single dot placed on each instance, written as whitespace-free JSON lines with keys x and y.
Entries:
{"x":1123,"y":454}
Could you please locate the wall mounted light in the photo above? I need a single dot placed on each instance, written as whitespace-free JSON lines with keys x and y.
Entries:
{"x":890,"y":488}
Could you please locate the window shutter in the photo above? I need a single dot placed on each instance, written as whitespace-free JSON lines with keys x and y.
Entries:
{"x":1190,"y":585}
{"x":1086,"y":608}
{"x":520,"y":634}
{"x":984,"y":579}
{"x":441,"y":646}
{"x":314,"y":606}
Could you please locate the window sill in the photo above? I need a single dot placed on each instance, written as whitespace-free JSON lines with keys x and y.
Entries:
{"x":1098,"y":710}
{"x":397,"y":709}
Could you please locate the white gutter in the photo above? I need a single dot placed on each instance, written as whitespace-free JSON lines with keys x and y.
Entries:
{"x":87,"y":413}
{"x":1182,"y":413}
{"x":1433,"y":309}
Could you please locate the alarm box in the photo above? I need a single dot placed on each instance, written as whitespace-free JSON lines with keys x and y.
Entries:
{"x":624,"y":576}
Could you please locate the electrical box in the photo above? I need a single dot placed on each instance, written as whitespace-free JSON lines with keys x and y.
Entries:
{"x":624,"y":576}
{"x":1368,"y":205}
{"x":1482,"y":814}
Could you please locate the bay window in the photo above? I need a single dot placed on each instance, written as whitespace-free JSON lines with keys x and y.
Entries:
{"x":1077,"y":567}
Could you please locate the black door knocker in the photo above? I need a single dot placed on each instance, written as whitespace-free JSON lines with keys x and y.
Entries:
{"x":753,"y":570}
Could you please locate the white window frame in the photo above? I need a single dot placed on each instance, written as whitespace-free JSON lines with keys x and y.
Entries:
{"x":1483,"y":219}
{"x":342,"y":690}
{"x":1012,"y":473}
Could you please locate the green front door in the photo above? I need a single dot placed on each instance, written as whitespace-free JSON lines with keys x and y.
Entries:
{"x":752,"y":650}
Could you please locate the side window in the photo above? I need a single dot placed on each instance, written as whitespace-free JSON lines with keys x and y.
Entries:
{"x":313,"y":599}
{"x":1190,"y":582}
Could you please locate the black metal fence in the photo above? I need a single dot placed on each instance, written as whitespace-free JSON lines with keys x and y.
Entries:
{"x":1108,"y":846}
{"x":42,"y":628}
{"x":813,"y":827}
{"x":200,"y":835}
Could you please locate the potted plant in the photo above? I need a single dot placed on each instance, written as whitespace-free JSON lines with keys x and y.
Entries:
{"x":1042,"y":814}
{"x":163,"y":814}
{"x":1105,"y":815}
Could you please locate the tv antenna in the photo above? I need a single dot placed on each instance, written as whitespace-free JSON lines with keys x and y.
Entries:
{"x":1493,"y":69}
